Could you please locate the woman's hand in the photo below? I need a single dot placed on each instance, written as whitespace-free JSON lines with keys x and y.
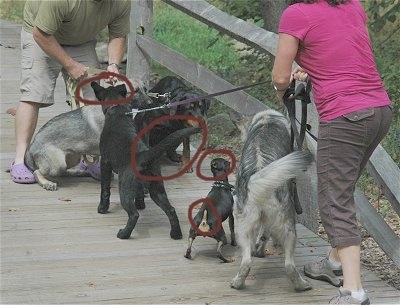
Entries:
{"x":299,"y":74}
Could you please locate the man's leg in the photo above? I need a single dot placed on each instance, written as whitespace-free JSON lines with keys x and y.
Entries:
{"x":25,"y":125}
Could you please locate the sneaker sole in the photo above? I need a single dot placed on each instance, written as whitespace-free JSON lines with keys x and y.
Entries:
{"x":325,"y":278}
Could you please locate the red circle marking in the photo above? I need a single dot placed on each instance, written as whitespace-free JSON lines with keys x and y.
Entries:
{"x":105,"y":75}
{"x":216,"y":151}
{"x":210,"y":203}
{"x":149,"y":127}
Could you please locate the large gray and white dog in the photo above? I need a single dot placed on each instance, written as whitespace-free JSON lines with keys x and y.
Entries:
{"x":59,"y":144}
{"x":263,"y":205}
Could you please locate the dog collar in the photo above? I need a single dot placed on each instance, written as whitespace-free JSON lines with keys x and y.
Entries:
{"x":224,"y":184}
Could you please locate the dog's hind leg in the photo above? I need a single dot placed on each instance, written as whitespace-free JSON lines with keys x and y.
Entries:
{"x":222,"y":241}
{"x":262,"y":238}
{"x":232,"y":229}
{"x":127,"y":198}
{"x":245,"y":265}
{"x":139,"y":198}
{"x":246,"y":233}
{"x":159,"y":196}
{"x":289,"y":243}
{"x":192,"y":236}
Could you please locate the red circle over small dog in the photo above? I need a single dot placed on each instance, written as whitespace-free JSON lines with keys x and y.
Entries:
{"x":210,"y":203}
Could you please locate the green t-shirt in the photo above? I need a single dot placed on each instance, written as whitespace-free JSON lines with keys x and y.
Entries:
{"x":73,"y":22}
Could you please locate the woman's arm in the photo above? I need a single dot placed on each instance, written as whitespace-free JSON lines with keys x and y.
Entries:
{"x":282,"y":69}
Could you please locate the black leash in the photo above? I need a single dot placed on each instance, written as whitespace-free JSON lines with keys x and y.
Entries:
{"x":302,"y":92}
{"x":193,"y":99}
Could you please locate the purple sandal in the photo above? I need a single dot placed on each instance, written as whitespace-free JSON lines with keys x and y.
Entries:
{"x":21,"y":174}
{"x":92,"y":169}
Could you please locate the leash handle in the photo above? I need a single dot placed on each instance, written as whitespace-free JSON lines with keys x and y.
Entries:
{"x":302,"y":92}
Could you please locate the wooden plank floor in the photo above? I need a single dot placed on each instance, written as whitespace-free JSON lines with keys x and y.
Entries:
{"x":56,"y":248}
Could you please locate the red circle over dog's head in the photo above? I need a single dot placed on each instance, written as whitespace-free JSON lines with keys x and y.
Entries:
{"x":216,"y":151}
{"x":105,"y":75}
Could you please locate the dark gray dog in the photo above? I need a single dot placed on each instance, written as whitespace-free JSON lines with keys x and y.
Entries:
{"x":116,"y":151}
{"x":222,"y":199}
{"x":264,"y":206}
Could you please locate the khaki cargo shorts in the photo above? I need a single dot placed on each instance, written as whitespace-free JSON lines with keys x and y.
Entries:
{"x":39,"y":72}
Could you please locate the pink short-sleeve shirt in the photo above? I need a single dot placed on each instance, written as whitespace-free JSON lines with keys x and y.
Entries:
{"x":335,"y":51}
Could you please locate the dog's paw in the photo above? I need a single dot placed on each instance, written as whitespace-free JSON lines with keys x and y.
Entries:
{"x":302,"y":285}
{"x":123,"y":234}
{"x":50,"y":186}
{"x":237,"y":283}
{"x":176,"y":234}
{"x":188,"y":254}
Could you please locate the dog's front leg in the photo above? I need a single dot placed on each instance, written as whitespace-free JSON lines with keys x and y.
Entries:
{"x":106,"y":176}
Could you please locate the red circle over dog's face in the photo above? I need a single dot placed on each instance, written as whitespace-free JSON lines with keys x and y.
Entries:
{"x":104,"y":75}
{"x":216,"y":151}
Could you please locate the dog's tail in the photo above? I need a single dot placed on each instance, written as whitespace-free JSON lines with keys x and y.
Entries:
{"x":265,"y":181}
{"x":172,"y":140}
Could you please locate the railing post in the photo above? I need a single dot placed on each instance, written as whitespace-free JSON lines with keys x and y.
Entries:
{"x":138,"y":64}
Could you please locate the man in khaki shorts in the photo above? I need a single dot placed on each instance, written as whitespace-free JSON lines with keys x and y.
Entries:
{"x":61,"y":36}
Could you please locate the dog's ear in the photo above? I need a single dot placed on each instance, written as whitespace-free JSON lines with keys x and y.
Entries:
{"x":241,"y":122}
{"x":121,"y":89}
{"x":227,"y":164}
{"x":99,"y":91}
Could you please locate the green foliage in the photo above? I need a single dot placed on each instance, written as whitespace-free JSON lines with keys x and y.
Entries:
{"x":12,"y":10}
{"x":194,"y":39}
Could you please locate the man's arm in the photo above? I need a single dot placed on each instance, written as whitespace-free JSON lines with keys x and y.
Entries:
{"x":116,"y":51}
{"x":52,"y":48}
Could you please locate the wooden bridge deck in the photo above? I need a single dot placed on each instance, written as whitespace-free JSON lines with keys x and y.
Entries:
{"x":56,"y":248}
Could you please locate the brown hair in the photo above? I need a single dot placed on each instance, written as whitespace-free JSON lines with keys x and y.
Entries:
{"x":331,"y":2}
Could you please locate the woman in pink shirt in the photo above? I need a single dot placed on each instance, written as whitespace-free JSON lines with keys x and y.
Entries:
{"x":329,"y":40}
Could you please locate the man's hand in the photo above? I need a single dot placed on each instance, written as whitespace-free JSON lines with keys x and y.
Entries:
{"x":76,"y":70}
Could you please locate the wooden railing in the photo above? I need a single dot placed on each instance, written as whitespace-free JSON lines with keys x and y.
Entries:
{"x":142,"y":47}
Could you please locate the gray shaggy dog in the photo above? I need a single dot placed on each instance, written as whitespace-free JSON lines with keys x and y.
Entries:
{"x":263,"y":205}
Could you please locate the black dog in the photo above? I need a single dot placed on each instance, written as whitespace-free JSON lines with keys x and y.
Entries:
{"x":222,"y":199}
{"x":116,"y":141}
{"x":177,"y":90}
